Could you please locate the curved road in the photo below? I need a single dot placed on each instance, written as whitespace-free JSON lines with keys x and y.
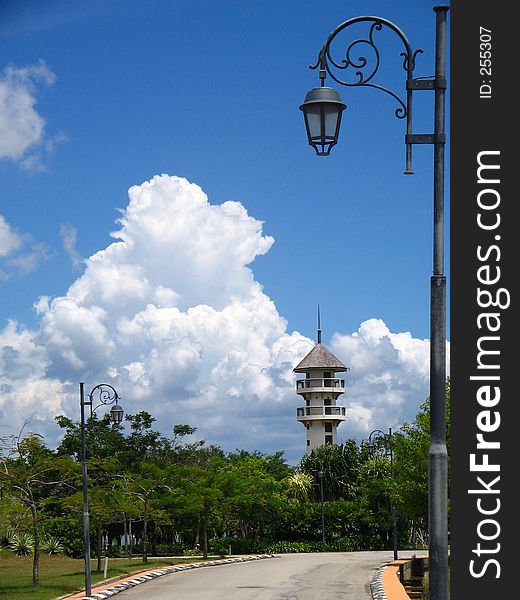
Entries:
{"x":321,"y":576}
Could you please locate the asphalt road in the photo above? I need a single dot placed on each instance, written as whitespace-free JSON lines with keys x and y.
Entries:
{"x":321,"y":576}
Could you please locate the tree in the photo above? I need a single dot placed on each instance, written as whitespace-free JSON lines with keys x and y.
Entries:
{"x":199,"y":487}
{"x":29,"y":470}
{"x":125,"y":509}
{"x":376,"y":482}
{"x":102,"y":498}
{"x":250,"y":492}
{"x":142,"y":486}
{"x":144,"y":444}
{"x":103,"y":440}
{"x":299,"y":487}
{"x":411,"y":448}
{"x":340,"y":465}
{"x":105,"y":444}
{"x":276,"y":465}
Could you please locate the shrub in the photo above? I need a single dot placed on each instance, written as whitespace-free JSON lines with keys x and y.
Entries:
{"x":51,"y":545}
{"x":22,"y":543}
{"x":170,"y":549}
{"x":219,"y":546}
{"x":6,"y":538}
{"x":69,"y":530}
{"x":290,"y":547}
{"x":351,"y":543}
{"x":238,"y":545}
{"x":113,"y":551}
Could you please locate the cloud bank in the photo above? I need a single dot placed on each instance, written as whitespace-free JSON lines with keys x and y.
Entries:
{"x":171,"y":315}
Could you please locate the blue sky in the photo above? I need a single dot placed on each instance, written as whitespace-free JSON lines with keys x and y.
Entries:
{"x":209,"y":91}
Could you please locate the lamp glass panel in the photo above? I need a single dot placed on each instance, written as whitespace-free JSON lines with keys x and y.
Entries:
{"x":331,"y":120}
{"x":116,"y":414}
{"x":313,"y":117}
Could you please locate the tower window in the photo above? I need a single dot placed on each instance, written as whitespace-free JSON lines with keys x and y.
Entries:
{"x":328,"y":439}
{"x":308,"y":442}
{"x":327,"y":402}
{"x":328,"y":427}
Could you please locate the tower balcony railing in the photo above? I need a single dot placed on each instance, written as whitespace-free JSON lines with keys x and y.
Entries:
{"x":320,"y":411}
{"x":319,"y":383}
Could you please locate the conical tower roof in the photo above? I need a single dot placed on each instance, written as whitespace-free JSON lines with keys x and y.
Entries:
{"x":320,"y":357}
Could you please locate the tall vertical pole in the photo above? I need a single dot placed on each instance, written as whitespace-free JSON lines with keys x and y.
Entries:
{"x":321,"y":474}
{"x":86,"y":531}
{"x":438,"y":458}
{"x":392,"y":506}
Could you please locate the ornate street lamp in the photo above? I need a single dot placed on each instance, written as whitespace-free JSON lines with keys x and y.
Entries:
{"x":322,"y":112}
{"x":378,"y":440}
{"x":105,"y":395}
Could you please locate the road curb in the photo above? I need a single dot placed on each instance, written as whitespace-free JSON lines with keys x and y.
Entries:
{"x":376,"y":585}
{"x":102,"y":590}
{"x":386,"y":585}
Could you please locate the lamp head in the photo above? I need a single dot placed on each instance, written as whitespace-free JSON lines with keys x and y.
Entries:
{"x":322,"y":109}
{"x":116,"y":414}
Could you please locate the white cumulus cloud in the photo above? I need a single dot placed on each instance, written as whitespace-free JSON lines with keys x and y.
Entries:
{"x":19,"y":254}
{"x":22,"y":128}
{"x":388,"y":376}
{"x":27,"y":393}
{"x":171,"y":315}
{"x":10,"y":241}
{"x":69,"y":237}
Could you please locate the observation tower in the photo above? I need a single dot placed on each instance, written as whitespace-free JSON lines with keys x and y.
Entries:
{"x":320,"y":390}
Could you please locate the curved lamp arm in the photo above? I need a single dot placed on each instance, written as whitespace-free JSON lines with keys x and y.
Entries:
{"x":386,"y":439}
{"x":363,"y":70}
{"x":364,"y":73}
{"x":105,"y":394}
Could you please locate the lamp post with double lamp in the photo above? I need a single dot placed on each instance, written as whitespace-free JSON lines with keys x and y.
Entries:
{"x":105,"y":395}
{"x":322,"y":111}
{"x":376,"y":440}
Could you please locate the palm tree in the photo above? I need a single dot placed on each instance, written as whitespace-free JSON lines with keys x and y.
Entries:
{"x":299,"y":487}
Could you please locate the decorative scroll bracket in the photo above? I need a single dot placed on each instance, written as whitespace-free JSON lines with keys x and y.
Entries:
{"x":365,"y":74}
{"x":106,"y":395}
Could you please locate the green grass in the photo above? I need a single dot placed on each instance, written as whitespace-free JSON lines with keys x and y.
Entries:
{"x":60,"y":575}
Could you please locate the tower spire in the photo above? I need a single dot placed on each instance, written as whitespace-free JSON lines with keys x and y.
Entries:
{"x":319,"y":326}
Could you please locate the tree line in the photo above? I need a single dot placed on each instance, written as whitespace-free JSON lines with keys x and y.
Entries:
{"x":152,"y":494}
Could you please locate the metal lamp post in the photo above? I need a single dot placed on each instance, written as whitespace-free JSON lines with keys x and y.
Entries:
{"x":375,"y":439}
{"x":321,"y":475}
{"x":322,"y":111}
{"x":106,"y":395}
